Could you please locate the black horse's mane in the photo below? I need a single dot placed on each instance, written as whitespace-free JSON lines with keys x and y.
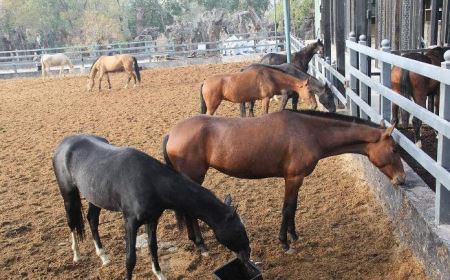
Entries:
{"x":336,"y":116}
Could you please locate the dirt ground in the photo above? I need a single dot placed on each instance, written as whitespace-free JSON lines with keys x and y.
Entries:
{"x":343,"y":231}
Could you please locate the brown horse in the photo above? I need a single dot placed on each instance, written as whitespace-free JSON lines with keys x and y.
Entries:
{"x":256,"y":83}
{"x":116,"y":63}
{"x":417,"y":87}
{"x":300,"y":59}
{"x":286,"y":144}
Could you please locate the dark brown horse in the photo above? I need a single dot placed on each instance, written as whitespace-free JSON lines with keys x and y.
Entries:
{"x":300,"y":59}
{"x":323,"y":92}
{"x":417,"y":87}
{"x":257,"y":83}
{"x":286,"y":144}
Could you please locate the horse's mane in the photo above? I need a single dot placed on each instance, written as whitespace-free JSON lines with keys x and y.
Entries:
{"x":93,"y":63}
{"x":336,"y":116}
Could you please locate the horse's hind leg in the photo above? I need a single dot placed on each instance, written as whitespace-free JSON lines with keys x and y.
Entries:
{"x":265,"y":105}
{"x":131,"y":227}
{"x":294,"y":101}
{"x":153,"y":248}
{"x":93,"y":216}
{"x":251,"y":107}
{"x":417,"y":123}
{"x":128,"y":81}
{"x":109,"y":81}
{"x":243,"y":110}
{"x":284,"y":99}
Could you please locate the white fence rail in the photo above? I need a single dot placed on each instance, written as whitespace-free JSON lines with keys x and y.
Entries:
{"x":359,"y":100}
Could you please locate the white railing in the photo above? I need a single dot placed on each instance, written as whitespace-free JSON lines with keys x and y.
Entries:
{"x":359,"y":100}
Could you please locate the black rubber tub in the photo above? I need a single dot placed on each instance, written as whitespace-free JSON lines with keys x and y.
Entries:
{"x":236,"y":270}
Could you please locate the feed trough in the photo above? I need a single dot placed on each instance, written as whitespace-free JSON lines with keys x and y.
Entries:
{"x":236,"y":270}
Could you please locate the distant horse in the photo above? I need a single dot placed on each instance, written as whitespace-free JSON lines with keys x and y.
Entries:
{"x":116,"y":63}
{"x":58,"y":59}
{"x":326,"y":97}
{"x":300,"y":59}
{"x":257,"y":83}
{"x":139,"y":186}
{"x":417,"y":87}
{"x":286,"y":144}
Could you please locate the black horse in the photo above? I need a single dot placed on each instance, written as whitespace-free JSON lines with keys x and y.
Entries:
{"x":300,"y":59}
{"x":139,"y":186}
{"x":326,"y":97}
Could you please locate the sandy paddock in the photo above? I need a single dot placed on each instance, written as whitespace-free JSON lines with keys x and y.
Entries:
{"x":343,"y":231}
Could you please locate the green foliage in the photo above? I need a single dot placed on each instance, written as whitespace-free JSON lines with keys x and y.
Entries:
{"x":300,"y":9}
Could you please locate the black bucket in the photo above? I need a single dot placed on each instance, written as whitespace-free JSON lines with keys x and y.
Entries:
{"x":236,"y":270}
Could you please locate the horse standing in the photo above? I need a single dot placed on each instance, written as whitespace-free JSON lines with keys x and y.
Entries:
{"x":300,"y":59}
{"x":286,"y":144}
{"x":417,"y":87}
{"x":131,"y":182}
{"x":59,"y":59}
{"x":116,"y":63}
{"x":257,"y":83}
{"x":323,"y":92}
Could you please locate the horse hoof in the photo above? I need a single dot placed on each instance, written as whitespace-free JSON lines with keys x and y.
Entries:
{"x":290,"y":251}
{"x":76,"y":259}
{"x":105,"y":260}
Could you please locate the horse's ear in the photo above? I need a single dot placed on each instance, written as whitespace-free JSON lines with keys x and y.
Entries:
{"x":382,"y":124}
{"x":388,"y":131}
{"x":227,"y":200}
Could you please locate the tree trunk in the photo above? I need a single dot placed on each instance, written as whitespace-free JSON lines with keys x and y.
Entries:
{"x":139,"y":20}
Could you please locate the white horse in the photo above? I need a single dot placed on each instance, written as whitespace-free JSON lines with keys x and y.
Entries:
{"x":58,"y":59}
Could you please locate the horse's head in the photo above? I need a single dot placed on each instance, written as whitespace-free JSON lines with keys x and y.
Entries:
{"x":231,"y":232}
{"x":384,"y":155}
{"x":326,"y":98}
{"x":319,"y":48}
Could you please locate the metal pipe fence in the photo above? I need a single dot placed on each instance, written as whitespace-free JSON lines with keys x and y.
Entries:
{"x":359,"y":102}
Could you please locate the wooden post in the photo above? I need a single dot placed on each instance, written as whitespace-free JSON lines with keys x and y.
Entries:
{"x":386,"y":81}
{"x":339,"y":31}
{"x":421,"y":19}
{"x":326,"y":27}
{"x":360,"y":14}
{"x":327,"y":73}
{"x":443,"y":152}
{"x":434,"y":22}
{"x":354,"y":85}
{"x":445,"y":37}
{"x":364,"y":90}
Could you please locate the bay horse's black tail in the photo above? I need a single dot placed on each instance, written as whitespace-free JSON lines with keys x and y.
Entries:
{"x":181,"y":218}
{"x":136,"y":69}
{"x":405,"y":91}
{"x":202,"y":101}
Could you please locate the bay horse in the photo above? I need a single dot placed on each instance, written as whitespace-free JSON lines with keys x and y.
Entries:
{"x":58,"y":59}
{"x":257,"y":83}
{"x":417,"y":87}
{"x":300,"y":59}
{"x":129,"y":181}
{"x":116,"y":63}
{"x":286,"y":144}
{"x":323,"y":92}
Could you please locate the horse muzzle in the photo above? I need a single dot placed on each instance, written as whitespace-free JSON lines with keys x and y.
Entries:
{"x":399,"y":180}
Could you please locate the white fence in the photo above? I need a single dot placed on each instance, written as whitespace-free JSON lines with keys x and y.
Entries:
{"x":358,"y":100}
{"x":22,"y":60}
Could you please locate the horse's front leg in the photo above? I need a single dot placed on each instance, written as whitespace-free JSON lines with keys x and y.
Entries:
{"x":265,"y":105}
{"x":131,"y":227}
{"x":251,"y":107}
{"x":292,"y":186}
{"x":294,"y":101}
{"x":153,"y":248}
{"x":284,"y":99}
{"x":394,"y":114}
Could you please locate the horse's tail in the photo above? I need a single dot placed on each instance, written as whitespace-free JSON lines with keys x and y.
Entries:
{"x":405,"y":91}
{"x":136,"y":69}
{"x":72,"y":202}
{"x":203,"y":108}
{"x":181,"y":218}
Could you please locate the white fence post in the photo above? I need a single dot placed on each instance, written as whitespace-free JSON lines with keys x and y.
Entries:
{"x":354,"y":86}
{"x":443,"y":152}
{"x":364,"y":90}
{"x":386,"y":81}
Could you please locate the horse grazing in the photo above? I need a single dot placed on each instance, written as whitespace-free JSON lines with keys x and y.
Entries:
{"x":417,"y":87}
{"x":286,"y":144}
{"x":58,"y":59}
{"x":139,"y":186}
{"x":323,"y":92}
{"x":116,"y":63}
{"x":300,"y":59}
{"x":258,"y":82}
